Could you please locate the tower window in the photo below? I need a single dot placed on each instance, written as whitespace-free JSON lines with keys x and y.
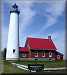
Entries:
{"x":13,"y":50}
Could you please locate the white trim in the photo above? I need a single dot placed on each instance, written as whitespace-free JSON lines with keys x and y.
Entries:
{"x":50,"y":54}
{"x":58,"y":56}
{"x":23,"y":55}
{"x":43,"y":54}
{"x":36,"y":55}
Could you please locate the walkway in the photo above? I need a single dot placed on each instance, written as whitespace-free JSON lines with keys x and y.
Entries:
{"x":24,"y":67}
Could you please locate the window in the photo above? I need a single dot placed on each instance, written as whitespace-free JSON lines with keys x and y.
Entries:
{"x":23,"y":55}
{"x":13,"y":50}
{"x":43,"y":54}
{"x":36,"y":54}
{"x":58,"y":56}
{"x":50,"y":54}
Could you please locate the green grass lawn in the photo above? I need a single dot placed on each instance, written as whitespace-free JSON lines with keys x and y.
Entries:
{"x":47,"y":64}
{"x":9,"y":68}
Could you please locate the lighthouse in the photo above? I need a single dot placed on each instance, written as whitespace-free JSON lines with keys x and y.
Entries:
{"x":12,"y":52}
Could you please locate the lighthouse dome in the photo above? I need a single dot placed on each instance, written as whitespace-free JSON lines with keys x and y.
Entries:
{"x":14,"y":8}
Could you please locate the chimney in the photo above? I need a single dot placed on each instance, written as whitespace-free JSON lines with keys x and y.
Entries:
{"x":49,"y":37}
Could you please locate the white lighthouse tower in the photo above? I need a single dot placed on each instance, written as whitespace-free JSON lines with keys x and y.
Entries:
{"x":13,"y":35}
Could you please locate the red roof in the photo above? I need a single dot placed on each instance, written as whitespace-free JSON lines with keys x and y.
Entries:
{"x":23,"y":49}
{"x":39,"y":43}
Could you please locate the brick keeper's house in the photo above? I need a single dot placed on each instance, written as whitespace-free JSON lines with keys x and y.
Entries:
{"x":40,"y":49}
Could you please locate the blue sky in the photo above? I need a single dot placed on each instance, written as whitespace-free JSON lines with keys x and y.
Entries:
{"x":37,"y":19}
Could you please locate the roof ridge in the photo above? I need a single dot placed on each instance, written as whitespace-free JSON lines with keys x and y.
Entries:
{"x":38,"y":38}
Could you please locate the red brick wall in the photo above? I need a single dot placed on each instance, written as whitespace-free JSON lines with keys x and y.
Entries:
{"x":31,"y":54}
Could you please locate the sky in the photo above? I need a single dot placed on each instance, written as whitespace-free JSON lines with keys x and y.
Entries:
{"x":39,"y":19}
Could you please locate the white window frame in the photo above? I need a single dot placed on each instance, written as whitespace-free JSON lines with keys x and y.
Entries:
{"x":58,"y":56}
{"x":36,"y":54}
{"x":50,"y":54}
{"x":23,"y":55}
{"x":43,"y":54}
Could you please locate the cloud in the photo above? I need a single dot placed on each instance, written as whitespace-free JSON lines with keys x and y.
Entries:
{"x":27,"y":16}
{"x":26,"y":13}
{"x":55,"y":8}
{"x":59,"y":40}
